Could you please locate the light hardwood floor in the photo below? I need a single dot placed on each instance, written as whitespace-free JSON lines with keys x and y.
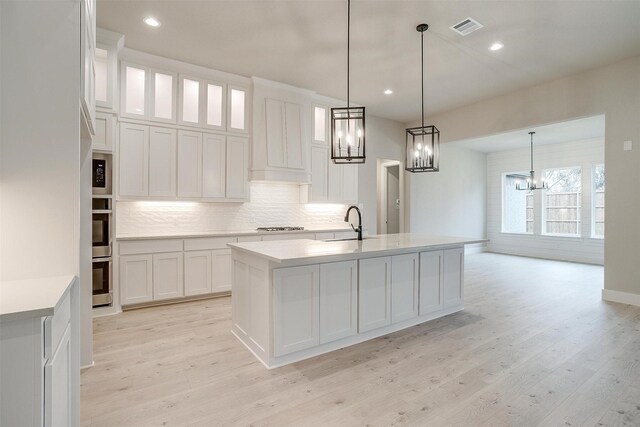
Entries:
{"x":535,"y":345}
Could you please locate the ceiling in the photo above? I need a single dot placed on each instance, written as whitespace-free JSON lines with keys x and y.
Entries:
{"x":303,"y":43}
{"x":555,"y":133}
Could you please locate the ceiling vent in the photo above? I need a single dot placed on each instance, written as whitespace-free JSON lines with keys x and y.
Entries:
{"x":466,"y":26}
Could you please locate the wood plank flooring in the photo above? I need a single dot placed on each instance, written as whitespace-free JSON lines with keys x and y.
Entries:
{"x":535,"y":345}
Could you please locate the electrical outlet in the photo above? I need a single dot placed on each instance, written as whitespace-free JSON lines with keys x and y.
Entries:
{"x":628,"y":145}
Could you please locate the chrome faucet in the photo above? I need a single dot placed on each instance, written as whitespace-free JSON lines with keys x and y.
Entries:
{"x":359,"y":228}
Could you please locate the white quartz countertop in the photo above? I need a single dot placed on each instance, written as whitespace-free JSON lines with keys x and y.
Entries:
{"x":195,"y":234}
{"x":21,"y":299}
{"x":283,"y":251}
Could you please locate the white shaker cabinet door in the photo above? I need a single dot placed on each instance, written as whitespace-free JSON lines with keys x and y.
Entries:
{"x":237,"y":176}
{"x":338,"y":300}
{"x":133,"y":159}
{"x":136,"y":279}
{"x":404,"y":287}
{"x":319,"y":167}
{"x":168,"y":279}
{"x":162,"y":162}
{"x":104,"y":132}
{"x":221,"y":264}
{"x":197,"y":273}
{"x":294,"y":124}
{"x":374,"y":296}
{"x":275,"y":133}
{"x":58,"y":384}
{"x":453,"y":277}
{"x":349,"y":183}
{"x":189,"y":164}
{"x":213,"y":166}
{"x":431,"y":281}
{"x":295,"y":309}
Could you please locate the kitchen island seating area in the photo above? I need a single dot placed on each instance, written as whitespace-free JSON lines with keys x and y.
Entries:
{"x":293,"y":300}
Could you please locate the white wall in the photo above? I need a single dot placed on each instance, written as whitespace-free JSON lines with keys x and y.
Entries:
{"x":453,"y":200}
{"x":613,"y":90}
{"x":272,"y":204}
{"x":581,"y":249}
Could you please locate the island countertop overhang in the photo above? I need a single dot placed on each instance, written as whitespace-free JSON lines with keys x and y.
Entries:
{"x":312,"y":251}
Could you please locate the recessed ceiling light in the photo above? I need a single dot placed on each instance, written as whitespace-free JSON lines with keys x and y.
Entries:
{"x":388,"y":92}
{"x":496,"y":46}
{"x":151,"y":21}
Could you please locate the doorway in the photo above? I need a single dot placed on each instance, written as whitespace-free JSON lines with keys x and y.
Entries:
{"x":390,"y":197}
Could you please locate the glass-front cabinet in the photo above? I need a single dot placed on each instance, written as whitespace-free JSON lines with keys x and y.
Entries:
{"x":148,"y":94}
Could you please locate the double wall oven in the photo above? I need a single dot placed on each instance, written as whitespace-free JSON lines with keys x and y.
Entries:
{"x":102,"y":232}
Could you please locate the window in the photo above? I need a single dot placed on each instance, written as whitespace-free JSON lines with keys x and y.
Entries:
{"x":517,"y":205}
{"x":562,"y":202}
{"x":597,"y":213}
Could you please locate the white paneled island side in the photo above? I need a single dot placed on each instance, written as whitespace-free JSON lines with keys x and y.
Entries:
{"x":296,"y":299}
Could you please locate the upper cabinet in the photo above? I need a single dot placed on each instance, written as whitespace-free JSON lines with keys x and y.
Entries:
{"x":161,"y":163}
{"x":88,"y":63}
{"x":330,"y":182}
{"x":108,"y":44}
{"x":281,"y":132}
{"x":148,"y":93}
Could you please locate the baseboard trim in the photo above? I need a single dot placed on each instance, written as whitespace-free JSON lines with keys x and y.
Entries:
{"x":82,"y":368}
{"x":621,"y":297}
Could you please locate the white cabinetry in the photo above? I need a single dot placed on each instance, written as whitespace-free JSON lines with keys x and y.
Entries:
{"x":329,"y":182}
{"x":237,"y":168}
{"x":296,"y":307}
{"x":105,"y":129}
{"x":281,"y":132}
{"x":167,"y":276}
{"x":162,"y":162}
{"x":197,"y":273}
{"x":319,"y":178}
{"x":453,"y":277}
{"x":338,"y":300}
{"x":189,"y":164}
{"x":133,"y":160}
{"x":108,"y":44}
{"x":148,"y":93}
{"x":136,"y":279}
{"x":214,"y":166}
{"x":374,"y":295}
{"x":431,"y":282}
{"x":221,"y":265}
{"x":40,"y":353}
{"x":404,"y":287}
{"x":58,"y":372}
{"x":88,"y":62}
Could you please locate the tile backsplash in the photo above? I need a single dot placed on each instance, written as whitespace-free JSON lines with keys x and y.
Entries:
{"x":272,"y":204}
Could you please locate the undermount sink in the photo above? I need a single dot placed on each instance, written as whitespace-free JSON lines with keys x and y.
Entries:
{"x":348,"y":238}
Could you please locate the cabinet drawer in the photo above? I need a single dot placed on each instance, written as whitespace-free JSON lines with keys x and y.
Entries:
{"x":202,"y":244}
{"x":150,"y":246}
{"x":54,"y":326}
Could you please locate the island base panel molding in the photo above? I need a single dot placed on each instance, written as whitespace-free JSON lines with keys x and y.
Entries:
{"x":286,"y":313}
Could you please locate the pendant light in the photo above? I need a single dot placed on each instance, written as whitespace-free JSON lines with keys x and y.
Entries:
{"x":423,"y":143}
{"x":347,"y":123}
{"x":530,"y":180}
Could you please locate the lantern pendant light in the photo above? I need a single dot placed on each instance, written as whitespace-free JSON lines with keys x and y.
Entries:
{"x":347,"y":123}
{"x":423,"y":143}
{"x":530,"y":180}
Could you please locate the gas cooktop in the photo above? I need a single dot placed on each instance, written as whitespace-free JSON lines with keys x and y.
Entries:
{"x":280,"y":228}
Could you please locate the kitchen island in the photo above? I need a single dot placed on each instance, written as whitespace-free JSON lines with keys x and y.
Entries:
{"x":297,"y":299}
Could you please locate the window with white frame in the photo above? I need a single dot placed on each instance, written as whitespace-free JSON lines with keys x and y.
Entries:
{"x":597,"y":204}
{"x":517,"y":205}
{"x":562,"y":202}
